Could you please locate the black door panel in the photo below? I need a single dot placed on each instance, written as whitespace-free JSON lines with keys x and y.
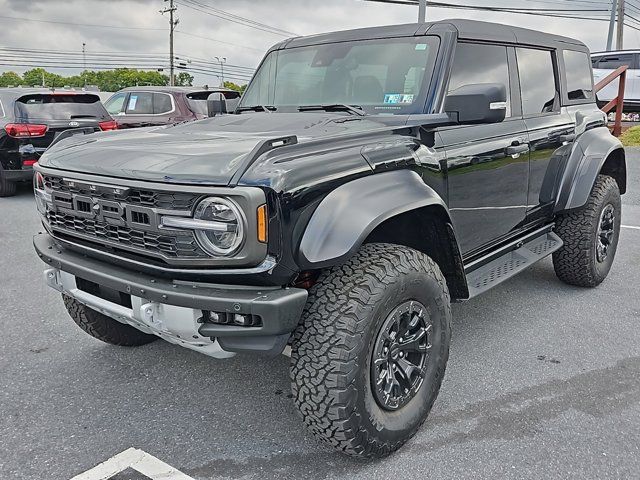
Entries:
{"x":488,"y":175}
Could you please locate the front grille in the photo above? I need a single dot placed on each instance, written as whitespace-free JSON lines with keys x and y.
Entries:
{"x":133,"y":196}
{"x":179,"y":246}
{"x":121,"y":219}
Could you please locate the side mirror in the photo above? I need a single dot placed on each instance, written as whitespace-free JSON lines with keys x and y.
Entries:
{"x":479,"y":103}
{"x":216,"y":104}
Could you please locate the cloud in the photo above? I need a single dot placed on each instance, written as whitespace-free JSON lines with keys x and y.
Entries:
{"x":241,"y":45}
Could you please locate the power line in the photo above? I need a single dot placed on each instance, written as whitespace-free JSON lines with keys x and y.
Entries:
{"x":208,"y":10}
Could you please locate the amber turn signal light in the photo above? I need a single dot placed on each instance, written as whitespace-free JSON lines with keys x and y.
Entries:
{"x":262,"y":224}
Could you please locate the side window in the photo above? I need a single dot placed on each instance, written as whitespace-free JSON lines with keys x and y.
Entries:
{"x":611,"y":62}
{"x":537,"y":81}
{"x":115,"y":103}
{"x":161,"y":103}
{"x":479,"y":63}
{"x":579,"y":78}
{"x":140,"y":103}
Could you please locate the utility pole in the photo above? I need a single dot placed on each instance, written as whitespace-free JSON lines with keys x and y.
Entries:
{"x":620,"y":36}
{"x":422,"y":11}
{"x":172,"y":25}
{"x":84,"y":62}
{"x":612,"y":24}
{"x":222,"y":61}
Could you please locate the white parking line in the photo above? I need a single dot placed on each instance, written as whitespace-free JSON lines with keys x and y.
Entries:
{"x":631,"y":227}
{"x":136,"y":459}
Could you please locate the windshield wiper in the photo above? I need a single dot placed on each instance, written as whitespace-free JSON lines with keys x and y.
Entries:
{"x":334,"y":107}
{"x":257,"y":108}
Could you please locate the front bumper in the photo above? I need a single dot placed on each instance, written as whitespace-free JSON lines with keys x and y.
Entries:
{"x":174,"y":309}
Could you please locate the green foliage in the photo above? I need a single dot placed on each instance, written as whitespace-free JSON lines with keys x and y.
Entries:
{"x":10,"y":79}
{"x":631,"y":138}
{"x":235,"y":86}
{"x":105,"y":80}
{"x":183,"y":79}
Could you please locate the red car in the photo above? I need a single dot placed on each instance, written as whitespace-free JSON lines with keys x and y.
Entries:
{"x":148,"y":106}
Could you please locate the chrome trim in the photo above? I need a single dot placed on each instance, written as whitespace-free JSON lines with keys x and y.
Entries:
{"x":195,"y":224}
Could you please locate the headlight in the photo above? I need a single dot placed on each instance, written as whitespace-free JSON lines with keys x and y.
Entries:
{"x":225,"y":218}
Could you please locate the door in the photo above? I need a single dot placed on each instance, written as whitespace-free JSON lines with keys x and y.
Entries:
{"x":551,"y":129}
{"x":487,"y":165}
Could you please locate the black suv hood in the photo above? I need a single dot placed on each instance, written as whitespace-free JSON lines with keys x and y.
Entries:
{"x":208,"y":151}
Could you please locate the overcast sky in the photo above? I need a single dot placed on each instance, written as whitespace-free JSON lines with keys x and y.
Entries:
{"x":241,"y":45}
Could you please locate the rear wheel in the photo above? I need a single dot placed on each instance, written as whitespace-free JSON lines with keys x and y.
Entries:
{"x":104,"y":328}
{"x":590,"y":235}
{"x":369,"y":357}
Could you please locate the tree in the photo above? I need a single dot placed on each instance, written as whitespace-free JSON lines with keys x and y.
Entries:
{"x":10,"y":79}
{"x":235,"y":86}
{"x":35,"y":77}
{"x":183,"y":79}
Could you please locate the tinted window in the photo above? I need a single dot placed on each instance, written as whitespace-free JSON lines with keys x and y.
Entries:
{"x":115,"y":103}
{"x":162,"y":103}
{"x":60,"y":106}
{"x":197,"y":101}
{"x":140,"y":103}
{"x":537,"y":81}
{"x":611,"y":62}
{"x":579,"y":78}
{"x":480,"y":64}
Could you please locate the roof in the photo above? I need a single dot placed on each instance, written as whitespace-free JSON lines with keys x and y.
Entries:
{"x":161,"y":88}
{"x":615,"y":52}
{"x":466,"y":29}
{"x":16,"y":92}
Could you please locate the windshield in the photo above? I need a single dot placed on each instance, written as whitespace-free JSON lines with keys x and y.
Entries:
{"x":381,"y":76}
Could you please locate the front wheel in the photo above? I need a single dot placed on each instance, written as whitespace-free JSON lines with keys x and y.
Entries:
{"x":590,"y":235}
{"x":370,"y":354}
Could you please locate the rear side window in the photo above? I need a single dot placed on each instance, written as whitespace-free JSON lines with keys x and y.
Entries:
{"x":611,"y":62}
{"x":479,"y":63}
{"x":537,"y":81}
{"x":579,"y":78}
{"x":59,"y":106}
{"x":148,"y":103}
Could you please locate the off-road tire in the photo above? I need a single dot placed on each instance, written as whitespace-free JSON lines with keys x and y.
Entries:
{"x":332,"y":349}
{"x":575,"y":262}
{"x":104,"y":328}
{"x":7,"y":187}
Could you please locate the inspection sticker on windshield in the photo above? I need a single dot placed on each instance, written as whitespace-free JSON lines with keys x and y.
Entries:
{"x":421,"y":46}
{"x":395,"y":98}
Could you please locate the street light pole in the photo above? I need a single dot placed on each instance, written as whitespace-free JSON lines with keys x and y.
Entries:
{"x":422,"y":11}
{"x":222,"y":61}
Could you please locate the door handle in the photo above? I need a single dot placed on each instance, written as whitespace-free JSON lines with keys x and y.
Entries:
{"x":517,"y":149}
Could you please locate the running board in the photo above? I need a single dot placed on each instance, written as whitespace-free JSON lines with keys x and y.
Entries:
{"x":511,"y":263}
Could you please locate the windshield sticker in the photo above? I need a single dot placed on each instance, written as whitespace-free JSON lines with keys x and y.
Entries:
{"x":132,"y":102}
{"x":392,"y":98}
{"x":396,"y":98}
{"x":421,"y":46}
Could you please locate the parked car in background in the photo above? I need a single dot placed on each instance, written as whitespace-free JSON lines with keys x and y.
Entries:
{"x":150,"y":106}
{"x":30,"y":119}
{"x":606,"y":62}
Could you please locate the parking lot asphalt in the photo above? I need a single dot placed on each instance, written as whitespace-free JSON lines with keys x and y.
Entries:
{"x":543,"y":381}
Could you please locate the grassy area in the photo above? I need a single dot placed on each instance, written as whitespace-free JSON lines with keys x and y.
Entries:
{"x":631,"y":138}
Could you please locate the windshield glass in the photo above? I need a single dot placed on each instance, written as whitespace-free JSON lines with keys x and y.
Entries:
{"x":381,"y":76}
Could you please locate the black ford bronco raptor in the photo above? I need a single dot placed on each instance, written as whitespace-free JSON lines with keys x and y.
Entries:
{"x":367,"y":179}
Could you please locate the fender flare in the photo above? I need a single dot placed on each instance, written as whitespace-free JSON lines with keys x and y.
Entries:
{"x":344,"y":219}
{"x":583,"y":166}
